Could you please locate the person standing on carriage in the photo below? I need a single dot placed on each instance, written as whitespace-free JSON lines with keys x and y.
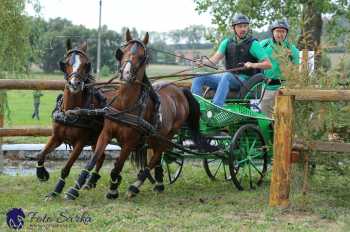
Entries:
{"x":278,"y":48}
{"x":240,"y":50}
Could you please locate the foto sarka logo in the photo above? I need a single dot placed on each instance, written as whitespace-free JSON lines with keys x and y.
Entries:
{"x":15,"y":218}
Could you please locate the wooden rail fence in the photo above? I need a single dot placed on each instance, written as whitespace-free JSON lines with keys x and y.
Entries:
{"x":283,"y":138}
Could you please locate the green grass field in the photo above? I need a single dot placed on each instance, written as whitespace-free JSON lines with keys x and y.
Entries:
{"x":193,"y":203}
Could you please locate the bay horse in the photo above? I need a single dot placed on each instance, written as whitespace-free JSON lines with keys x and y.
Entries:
{"x":137,"y":106}
{"x":78,"y":132}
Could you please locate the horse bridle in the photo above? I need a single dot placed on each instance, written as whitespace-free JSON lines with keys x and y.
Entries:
{"x":133,"y":71}
{"x":77,"y":74}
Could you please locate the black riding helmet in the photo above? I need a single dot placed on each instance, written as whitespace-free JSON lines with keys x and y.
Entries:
{"x":279,"y":24}
{"x":240,"y":19}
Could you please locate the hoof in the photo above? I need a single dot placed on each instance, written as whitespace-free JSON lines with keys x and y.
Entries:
{"x":91,"y":183}
{"x":72,"y":194}
{"x":132,"y":191}
{"x":159,"y":188}
{"x":89,"y":186}
{"x":42,"y":174}
{"x":51,"y":196}
{"x":112,"y":196}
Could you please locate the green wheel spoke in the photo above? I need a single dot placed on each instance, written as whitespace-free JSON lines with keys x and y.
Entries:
{"x":167,"y":166}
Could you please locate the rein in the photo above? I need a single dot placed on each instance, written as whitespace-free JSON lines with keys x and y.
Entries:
{"x":182,"y":57}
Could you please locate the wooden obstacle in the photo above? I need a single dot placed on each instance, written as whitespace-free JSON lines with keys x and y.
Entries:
{"x":283,"y":140}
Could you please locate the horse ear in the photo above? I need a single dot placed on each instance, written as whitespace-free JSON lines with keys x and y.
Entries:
{"x":68,"y":44}
{"x":146,"y":38}
{"x":83,"y":46}
{"x":128,"y":36}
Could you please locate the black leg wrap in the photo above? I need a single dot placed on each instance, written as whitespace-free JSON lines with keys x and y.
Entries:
{"x":82,"y":179}
{"x":143,"y":174}
{"x":158,"y":173}
{"x":59,"y":186}
{"x":159,"y":188}
{"x":112,"y":196}
{"x":113,"y":188}
{"x":42,"y":173}
{"x":115,"y":183}
{"x":92,"y":181}
{"x":58,"y":189}
{"x":133,"y":189}
{"x":72,"y":194}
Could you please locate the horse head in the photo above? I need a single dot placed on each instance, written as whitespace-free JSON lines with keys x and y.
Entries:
{"x":132,"y":57}
{"x":76,"y":66}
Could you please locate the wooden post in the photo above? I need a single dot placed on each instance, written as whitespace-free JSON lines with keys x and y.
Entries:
{"x":282,"y":147}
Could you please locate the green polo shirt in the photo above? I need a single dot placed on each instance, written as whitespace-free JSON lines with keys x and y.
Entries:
{"x":255,"y":50}
{"x":274,"y":52}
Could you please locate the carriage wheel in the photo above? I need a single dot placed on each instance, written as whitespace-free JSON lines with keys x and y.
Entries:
{"x":216,"y":168}
{"x":248,"y":157}
{"x":173,"y":167}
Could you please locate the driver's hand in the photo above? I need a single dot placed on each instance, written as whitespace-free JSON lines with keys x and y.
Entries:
{"x":249,"y":65}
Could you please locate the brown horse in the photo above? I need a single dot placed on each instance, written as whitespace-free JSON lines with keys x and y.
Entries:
{"x":78,"y":132}
{"x":128,"y":117}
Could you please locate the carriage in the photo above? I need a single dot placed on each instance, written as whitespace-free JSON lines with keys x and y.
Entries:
{"x":242,"y":137}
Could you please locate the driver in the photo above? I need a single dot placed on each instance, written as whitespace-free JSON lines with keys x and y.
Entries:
{"x":241,"y":49}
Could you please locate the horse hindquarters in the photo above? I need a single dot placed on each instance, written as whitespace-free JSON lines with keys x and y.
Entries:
{"x":194,"y":116}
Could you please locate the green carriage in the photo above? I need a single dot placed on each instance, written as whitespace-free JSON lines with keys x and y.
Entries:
{"x":242,"y":138}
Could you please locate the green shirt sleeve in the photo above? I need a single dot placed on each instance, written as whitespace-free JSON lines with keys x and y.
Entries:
{"x":223,"y":46}
{"x":295,"y":54}
{"x":257,"y":51}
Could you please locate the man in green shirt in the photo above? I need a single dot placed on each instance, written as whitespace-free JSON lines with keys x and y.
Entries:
{"x":241,"y":50}
{"x":280,"y":52}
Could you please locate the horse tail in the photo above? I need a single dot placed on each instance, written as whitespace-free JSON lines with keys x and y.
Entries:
{"x":139,"y":157}
{"x":194,"y":116}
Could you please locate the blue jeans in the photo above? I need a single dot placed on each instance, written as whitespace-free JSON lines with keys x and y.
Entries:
{"x":222,"y":83}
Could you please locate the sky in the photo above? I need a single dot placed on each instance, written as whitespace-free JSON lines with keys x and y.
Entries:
{"x":144,"y":15}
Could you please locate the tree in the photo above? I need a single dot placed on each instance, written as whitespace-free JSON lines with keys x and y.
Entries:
{"x":14,"y":43}
{"x":304,"y":14}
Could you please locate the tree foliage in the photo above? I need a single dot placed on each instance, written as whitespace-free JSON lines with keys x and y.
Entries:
{"x":14,"y":43}
{"x":303,"y":14}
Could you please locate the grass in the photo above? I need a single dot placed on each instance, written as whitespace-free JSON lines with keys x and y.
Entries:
{"x":193,"y":203}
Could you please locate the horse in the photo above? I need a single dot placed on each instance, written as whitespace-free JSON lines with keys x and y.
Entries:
{"x":130,"y":120}
{"x":77,"y":132}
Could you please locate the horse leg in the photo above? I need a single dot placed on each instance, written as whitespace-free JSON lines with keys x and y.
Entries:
{"x":158,"y":175}
{"x":134,"y":189}
{"x":102,"y":142}
{"x":77,"y":148}
{"x":41,"y":172}
{"x":116,"y":178}
{"x":95,"y":176}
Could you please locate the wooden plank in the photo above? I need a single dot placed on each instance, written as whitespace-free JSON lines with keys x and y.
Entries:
{"x":317,"y":94}
{"x":11,"y":84}
{"x":12,"y":132}
{"x":322,"y":146}
{"x":280,"y":180}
